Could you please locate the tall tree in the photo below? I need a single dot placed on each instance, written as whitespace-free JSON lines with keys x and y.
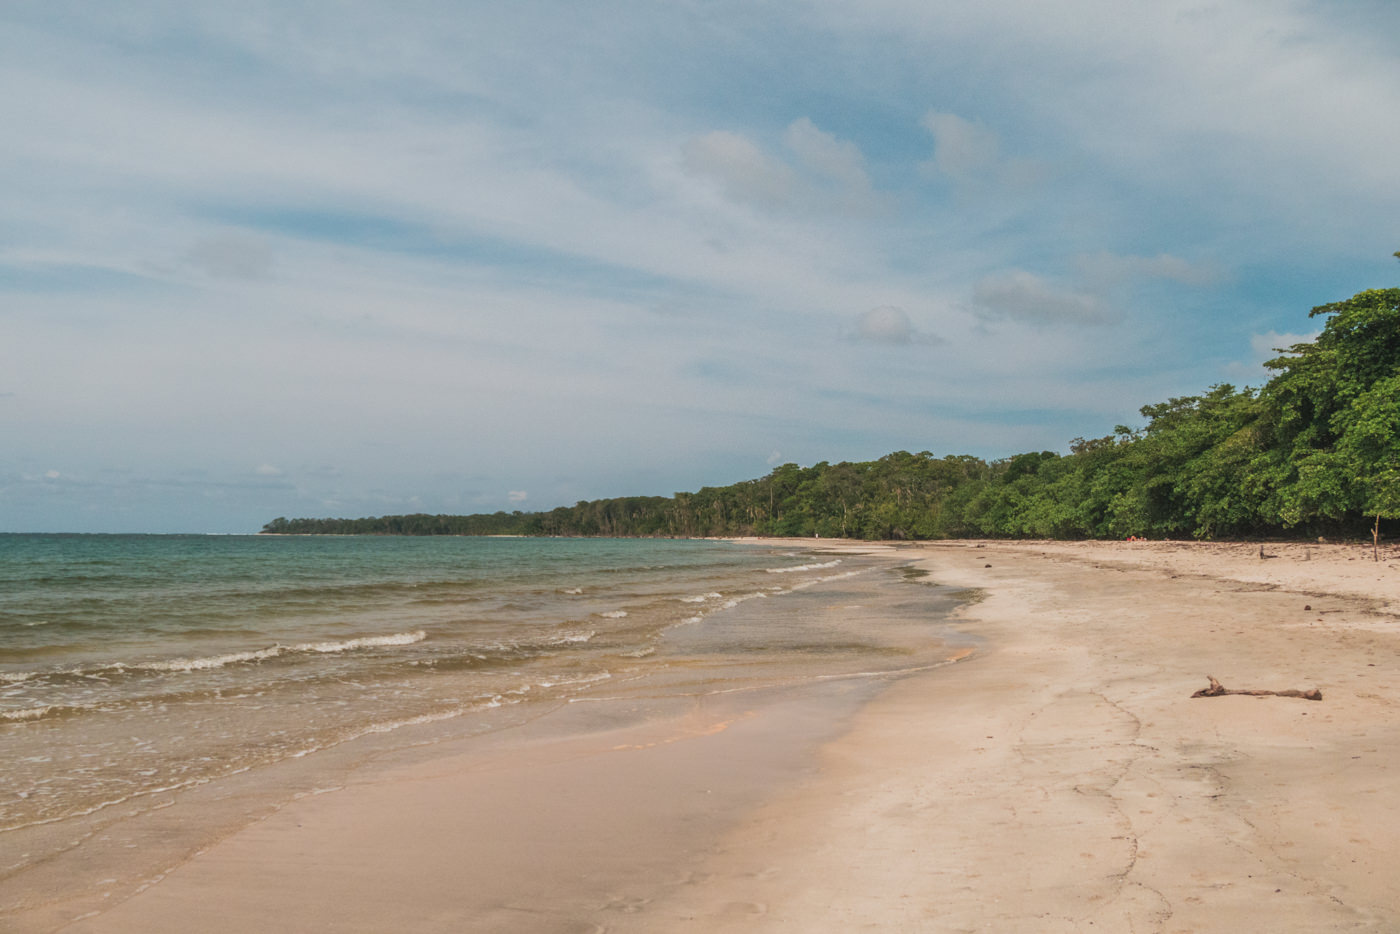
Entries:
{"x":1332,"y":413}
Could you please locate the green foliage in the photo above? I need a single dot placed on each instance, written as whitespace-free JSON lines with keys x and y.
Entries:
{"x":1317,"y":447}
{"x":1332,"y":419}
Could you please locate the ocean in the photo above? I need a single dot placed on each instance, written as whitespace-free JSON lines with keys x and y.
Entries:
{"x":134,"y":668}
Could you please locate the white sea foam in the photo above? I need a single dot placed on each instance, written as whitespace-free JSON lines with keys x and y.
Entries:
{"x":805,"y":567}
{"x":398,"y":638}
{"x":732,"y":602}
{"x":208,"y":661}
{"x":613,"y":614}
{"x":701,"y":598}
{"x":27,"y":713}
{"x":391,"y":725}
{"x":583,"y":679}
{"x":572,"y":638}
{"x":574,"y":590}
{"x":230,"y":658}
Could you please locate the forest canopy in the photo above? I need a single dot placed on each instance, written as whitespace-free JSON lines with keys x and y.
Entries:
{"x":1316,"y":450}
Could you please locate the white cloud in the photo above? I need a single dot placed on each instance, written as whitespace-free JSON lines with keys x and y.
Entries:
{"x":1277,"y":111}
{"x":820,"y":151}
{"x":961,"y":148}
{"x":517,"y":496}
{"x":970,"y":154}
{"x":743,"y":170}
{"x":1017,"y":295}
{"x":837,"y":160}
{"x":385,"y":215}
{"x":889,"y":324}
{"x":830,"y":174}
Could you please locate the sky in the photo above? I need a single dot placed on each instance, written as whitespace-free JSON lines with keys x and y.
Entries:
{"x":360,"y":258}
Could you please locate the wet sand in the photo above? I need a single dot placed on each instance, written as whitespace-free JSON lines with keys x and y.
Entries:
{"x":1060,"y":778}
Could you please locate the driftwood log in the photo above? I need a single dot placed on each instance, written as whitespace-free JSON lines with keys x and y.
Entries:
{"x":1216,"y":689}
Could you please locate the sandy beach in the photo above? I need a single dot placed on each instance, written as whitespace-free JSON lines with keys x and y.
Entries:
{"x":1063,"y":779}
{"x":1058,"y":776}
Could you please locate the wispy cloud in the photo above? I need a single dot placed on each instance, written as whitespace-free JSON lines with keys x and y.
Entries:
{"x":889,"y":324}
{"x":962,"y":149}
{"x":1021,"y":296}
{"x":826,"y":174}
{"x":839,"y":161}
{"x":743,"y":170}
{"x":230,"y":256}
{"x":969,"y":153}
{"x":391,"y":239}
{"x":1109,"y":269}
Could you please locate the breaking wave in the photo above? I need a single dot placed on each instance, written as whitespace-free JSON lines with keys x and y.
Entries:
{"x":805,"y":567}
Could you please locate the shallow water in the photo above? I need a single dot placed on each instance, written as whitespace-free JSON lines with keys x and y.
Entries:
{"x":131,"y":664}
{"x":140,"y":669}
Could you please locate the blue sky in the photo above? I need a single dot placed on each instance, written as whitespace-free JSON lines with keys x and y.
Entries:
{"x":358,"y":258}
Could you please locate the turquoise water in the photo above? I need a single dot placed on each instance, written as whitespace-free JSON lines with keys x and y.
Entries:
{"x":136,"y":666}
{"x":77,"y":601}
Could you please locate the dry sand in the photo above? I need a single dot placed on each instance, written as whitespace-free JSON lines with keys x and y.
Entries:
{"x":1061,"y":778}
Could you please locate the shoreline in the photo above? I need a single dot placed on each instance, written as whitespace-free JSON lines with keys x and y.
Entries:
{"x":1060,"y":778}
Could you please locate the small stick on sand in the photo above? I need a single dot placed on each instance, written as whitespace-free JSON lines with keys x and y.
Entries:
{"x":1216,"y":690}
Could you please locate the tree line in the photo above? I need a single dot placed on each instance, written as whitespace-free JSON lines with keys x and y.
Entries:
{"x":1314,"y":451}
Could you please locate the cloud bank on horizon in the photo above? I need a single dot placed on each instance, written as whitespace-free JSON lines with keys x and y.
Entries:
{"x":359,"y":258}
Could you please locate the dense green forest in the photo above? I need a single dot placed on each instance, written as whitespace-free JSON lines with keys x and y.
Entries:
{"x":1316,"y":450}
